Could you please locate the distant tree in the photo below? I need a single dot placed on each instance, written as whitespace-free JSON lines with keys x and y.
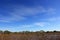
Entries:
{"x":42,"y":31}
{"x":15,"y":32}
{"x":1,"y":31}
{"x":49,"y":31}
{"x":54,"y":31}
{"x":26,"y":31}
{"x":7,"y":32}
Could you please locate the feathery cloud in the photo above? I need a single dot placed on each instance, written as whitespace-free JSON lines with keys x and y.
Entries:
{"x":19,"y":13}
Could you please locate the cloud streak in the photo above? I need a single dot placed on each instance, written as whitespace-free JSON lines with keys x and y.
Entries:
{"x":34,"y":10}
{"x":53,"y":19}
{"x":19,"y":13}
{"x":36,"y":24}
{"x":41,"y":24}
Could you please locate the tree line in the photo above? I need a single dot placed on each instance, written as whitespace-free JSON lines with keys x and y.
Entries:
{"x":8,"y":32}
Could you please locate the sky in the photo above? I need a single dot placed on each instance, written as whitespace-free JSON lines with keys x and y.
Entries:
{"x":30,"y":15}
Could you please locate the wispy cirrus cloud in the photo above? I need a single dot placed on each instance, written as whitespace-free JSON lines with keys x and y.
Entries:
{"x":42,"y":24}
{"x":34,"y":10}
{"x":19,"y":12}
{"x":12,"y":18}
{"x":36,"y":24}
{"x":52,"y":19}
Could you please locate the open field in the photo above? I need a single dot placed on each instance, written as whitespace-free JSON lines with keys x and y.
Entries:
{"x":31,"y":36}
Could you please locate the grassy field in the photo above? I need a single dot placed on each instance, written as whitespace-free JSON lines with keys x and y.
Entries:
{"x":31,"y":36}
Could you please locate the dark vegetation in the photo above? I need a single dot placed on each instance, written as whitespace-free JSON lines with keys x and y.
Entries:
{"x":27,"y":35}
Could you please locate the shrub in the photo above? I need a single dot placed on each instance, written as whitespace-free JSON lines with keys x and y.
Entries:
{"x":7,"y":32}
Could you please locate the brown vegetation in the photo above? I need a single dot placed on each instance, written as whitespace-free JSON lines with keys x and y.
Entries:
{"x":6,"y":35}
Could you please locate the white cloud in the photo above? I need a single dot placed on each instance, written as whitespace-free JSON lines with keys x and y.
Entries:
{"x":37,"y":24}
{"x":24,"y":26}
{"x":13,"y":17}
{"x":10,"y":20}
{"x":51,"y":11}
{"x":41,"y":24}
{"x":34,"y":10}
{"x":54,"y":19}
{"x":20,"y":11}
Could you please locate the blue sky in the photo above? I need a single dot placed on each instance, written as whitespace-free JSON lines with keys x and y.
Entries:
{"x":29,"y":15}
